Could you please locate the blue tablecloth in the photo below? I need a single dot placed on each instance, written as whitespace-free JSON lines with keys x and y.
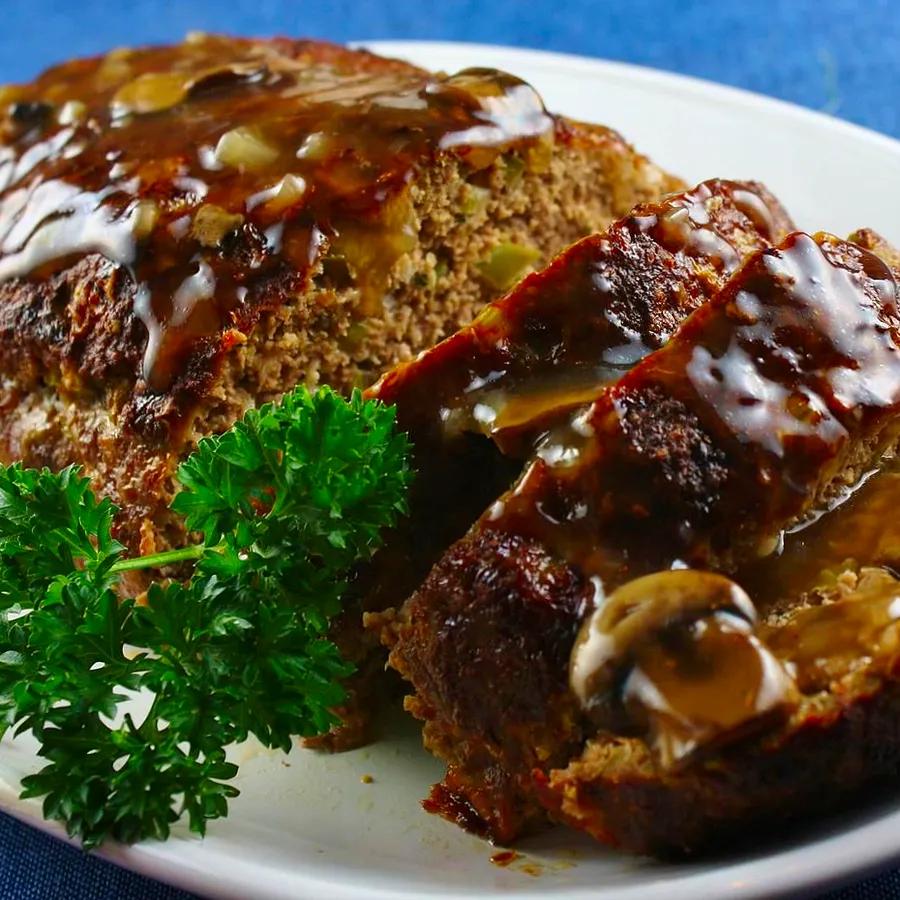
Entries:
{"x":840,"y":56}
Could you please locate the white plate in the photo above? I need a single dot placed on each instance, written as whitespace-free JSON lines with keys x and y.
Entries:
{"x":305,"y":826}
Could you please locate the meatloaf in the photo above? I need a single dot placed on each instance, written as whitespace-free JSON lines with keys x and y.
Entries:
{"x":187,"y":231}
{"x":674,"y":624}
{"x":474,"y":404}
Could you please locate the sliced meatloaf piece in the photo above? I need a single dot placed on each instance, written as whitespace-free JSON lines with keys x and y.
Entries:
{"x":474,"y":404}
{"x":188,"y":231}
{"x":829,"y":612}
{"x":561,"y":665}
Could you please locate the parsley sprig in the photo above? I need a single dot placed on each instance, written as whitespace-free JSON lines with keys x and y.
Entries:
{"x":287,"y":502}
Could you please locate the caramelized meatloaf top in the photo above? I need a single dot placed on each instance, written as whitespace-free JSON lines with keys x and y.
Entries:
{"x":156,"y":201}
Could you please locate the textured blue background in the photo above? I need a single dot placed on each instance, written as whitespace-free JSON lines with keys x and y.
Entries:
{"x":840,"y":56}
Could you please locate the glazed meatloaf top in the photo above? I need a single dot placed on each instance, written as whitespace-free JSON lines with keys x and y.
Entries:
{"x":145,"y":182}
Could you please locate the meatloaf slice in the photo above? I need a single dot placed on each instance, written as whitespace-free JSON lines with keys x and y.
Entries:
{"x":828,"y":607}
{"x":771,"y":402}
{"x":188,"y":231}
{"x":474,"y":404}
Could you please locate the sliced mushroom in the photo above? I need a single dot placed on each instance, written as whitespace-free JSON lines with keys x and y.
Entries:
{"x":676,"y":656}
{"x":637,"y":611}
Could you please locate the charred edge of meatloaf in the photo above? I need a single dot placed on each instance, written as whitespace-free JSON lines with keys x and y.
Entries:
{"x":486,"y":641}
{"x":843,"y":739}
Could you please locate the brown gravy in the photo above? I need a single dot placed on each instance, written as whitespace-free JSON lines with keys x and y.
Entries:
{"x":209,"y":168}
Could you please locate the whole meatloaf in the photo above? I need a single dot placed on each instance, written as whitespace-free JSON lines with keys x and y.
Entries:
{"x":683,"y":618}
{"x":188,"y":231}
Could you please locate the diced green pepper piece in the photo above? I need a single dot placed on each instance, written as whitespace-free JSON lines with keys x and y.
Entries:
{"x":515,"y":167}
{"x":356,"y":334}
{"x":507,"y":263}
{"x":475,"y":200}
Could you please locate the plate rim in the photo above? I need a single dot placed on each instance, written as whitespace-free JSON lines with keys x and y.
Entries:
{"x":790,"y":875}
{"x":649,"y":75}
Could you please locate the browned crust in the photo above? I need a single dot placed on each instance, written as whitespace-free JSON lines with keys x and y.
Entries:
{"x":618,"y":796}
{"x":485,"y":641}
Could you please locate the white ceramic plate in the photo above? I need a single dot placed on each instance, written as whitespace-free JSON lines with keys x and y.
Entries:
{"x":305,"y":826}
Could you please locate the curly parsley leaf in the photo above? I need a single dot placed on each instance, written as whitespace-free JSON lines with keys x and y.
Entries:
{"x":287,"y":502}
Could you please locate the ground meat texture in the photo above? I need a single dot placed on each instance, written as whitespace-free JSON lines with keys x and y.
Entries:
{"x":486,"y":639}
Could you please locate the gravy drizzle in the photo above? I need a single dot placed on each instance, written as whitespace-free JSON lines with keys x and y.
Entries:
{"x":780,"y":382}
{"x":206,"y":180}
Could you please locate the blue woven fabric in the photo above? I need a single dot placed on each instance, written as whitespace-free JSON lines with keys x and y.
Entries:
{"x":840,"y":56}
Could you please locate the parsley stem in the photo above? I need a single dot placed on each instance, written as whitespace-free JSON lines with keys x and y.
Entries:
{"x":157,"y":560}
